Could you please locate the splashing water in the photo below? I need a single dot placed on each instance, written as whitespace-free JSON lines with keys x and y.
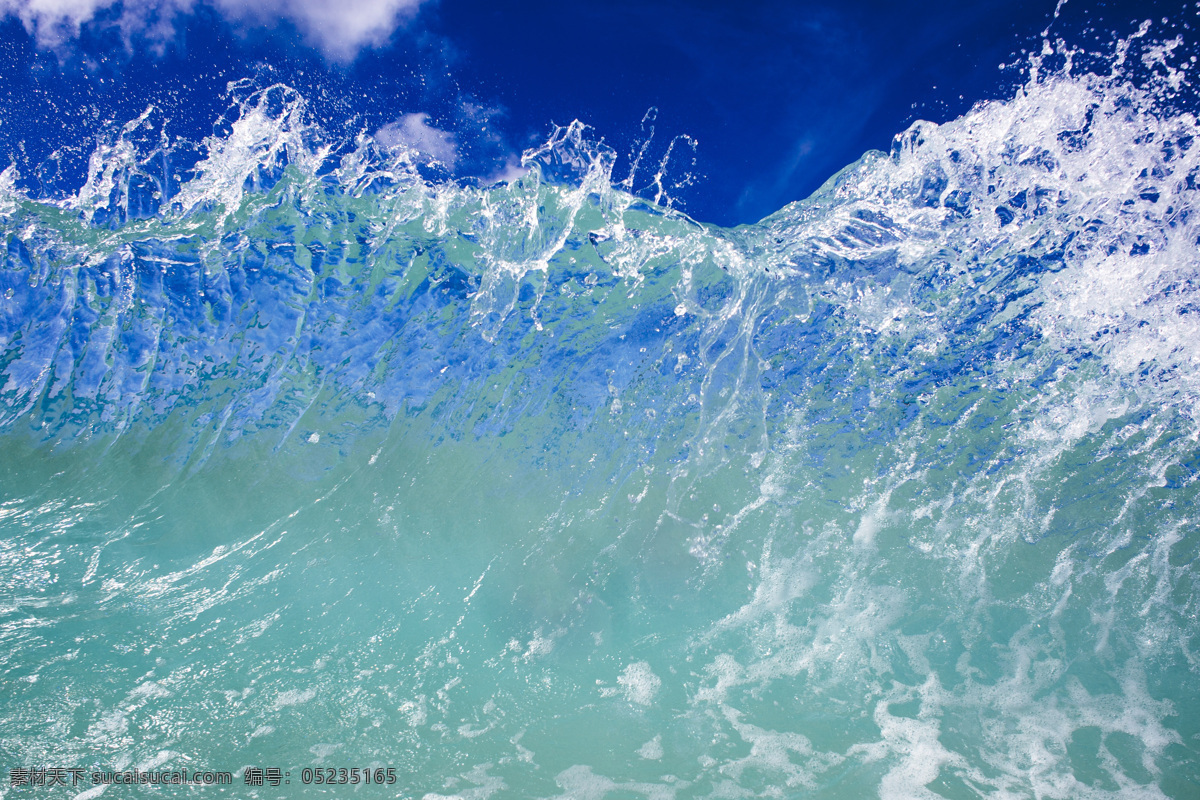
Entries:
{"x":544,"y":489}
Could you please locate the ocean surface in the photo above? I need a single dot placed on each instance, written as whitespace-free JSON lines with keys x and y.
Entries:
{"x":312,"y":457}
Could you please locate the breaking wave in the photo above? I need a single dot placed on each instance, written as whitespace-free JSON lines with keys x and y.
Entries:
{"x":313,"y":457}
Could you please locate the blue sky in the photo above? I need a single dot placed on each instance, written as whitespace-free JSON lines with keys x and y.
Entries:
{"x":762,"y":101}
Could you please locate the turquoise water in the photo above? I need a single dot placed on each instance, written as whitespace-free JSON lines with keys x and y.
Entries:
{"x":544,"y":490}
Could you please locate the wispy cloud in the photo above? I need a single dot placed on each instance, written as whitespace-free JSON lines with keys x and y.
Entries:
{"x":340,"y":28}
{"x":413,"y":131}
{"x":511,"y":170}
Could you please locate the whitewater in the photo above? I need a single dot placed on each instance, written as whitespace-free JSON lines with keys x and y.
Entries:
{"x":312,"y":459}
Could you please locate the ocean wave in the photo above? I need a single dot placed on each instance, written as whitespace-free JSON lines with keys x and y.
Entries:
{"x":892,"y":491}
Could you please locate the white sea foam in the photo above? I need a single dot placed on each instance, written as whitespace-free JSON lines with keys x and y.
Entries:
{"x":294,"y":697}
{"x":637,"y":683}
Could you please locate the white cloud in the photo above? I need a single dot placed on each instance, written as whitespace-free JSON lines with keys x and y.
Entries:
{"x":53,"y":21}
{"x":414,"y":132}
{"x":340,"y":28}
{"x":510,"y":171}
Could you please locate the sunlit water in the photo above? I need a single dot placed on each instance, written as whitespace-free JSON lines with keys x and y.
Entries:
{"x":543,"y":490}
